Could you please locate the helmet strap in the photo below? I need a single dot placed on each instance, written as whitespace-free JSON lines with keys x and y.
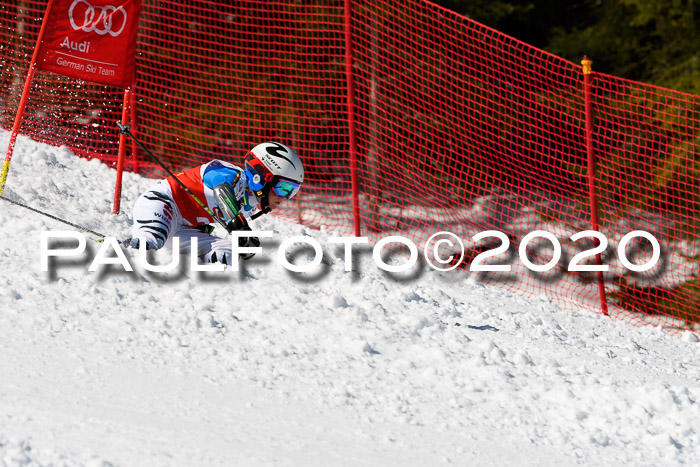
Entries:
{"x":263,"y":199}
{"x":260,"y":213}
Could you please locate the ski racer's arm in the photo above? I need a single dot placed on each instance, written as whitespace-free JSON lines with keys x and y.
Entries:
{"x":222,"y":180}
{"x":229,"y":207}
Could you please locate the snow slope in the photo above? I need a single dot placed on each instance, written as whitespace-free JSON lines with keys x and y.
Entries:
{"x":265,"y":367}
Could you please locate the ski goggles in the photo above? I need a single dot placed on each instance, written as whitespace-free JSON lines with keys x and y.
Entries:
{"x":286,"y":188}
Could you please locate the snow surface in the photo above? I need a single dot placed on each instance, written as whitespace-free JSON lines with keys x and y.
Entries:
{"x":265,"y":367}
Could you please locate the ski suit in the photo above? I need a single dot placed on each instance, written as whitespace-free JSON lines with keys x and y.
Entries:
{"x":167,"y":211}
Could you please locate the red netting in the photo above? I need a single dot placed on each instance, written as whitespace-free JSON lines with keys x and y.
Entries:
{"x":458,"y":128}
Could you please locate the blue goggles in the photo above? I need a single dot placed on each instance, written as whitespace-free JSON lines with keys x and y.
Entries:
{"x":286,"y":188}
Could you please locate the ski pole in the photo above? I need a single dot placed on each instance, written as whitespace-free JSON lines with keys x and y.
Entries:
{"x":126,"y":130}
{"x":84,"y":229}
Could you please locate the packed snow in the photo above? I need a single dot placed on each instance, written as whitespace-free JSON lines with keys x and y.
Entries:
{"x":264,"y":367}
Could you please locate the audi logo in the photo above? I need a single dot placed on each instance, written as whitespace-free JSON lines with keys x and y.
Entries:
{"x":96,"y":18}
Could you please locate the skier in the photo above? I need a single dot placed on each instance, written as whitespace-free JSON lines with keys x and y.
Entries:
{"x":273,"y":173}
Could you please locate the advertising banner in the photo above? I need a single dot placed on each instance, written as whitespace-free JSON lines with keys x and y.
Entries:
{"x":91,"y":40}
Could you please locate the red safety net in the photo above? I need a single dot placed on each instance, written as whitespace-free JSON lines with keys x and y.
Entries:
{"x":454,"y":127}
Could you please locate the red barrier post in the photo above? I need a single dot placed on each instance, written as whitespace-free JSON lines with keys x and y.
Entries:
{"x":351,"y":116}
{"x":587,"y":65}
{"x":23,"y":102}
{"x":134,"y":130}
{"x":122,"y":154}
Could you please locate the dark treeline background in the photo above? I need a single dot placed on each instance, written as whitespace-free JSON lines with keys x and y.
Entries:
{"x":654,"y":41}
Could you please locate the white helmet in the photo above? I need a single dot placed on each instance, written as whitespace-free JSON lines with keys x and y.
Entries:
{"x":273,"y":166}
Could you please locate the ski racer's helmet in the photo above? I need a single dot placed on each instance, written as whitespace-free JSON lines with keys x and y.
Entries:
{"x":273,"y":166}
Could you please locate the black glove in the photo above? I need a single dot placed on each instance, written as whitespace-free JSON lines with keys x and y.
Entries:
{"x":248,"y":242}
{"x":225,"y":258}
{"x":237,"y":223}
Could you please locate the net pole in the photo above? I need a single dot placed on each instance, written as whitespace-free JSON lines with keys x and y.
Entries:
{"x":587,"y":67}
{"x":116,"y":206}
{"x":134,"y":129}
{"x":351,"y":116}
{"x":23,"y":103}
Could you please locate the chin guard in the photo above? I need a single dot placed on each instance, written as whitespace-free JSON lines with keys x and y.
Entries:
{"x":229,"y":207}
{"x":226,"y":199}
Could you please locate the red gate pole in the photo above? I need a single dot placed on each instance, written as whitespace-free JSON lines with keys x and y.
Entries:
{"x":351,"y":116}
{"x":134,"y":130}
{"x":122,"y":154}
{"x":23,"y":103}
{"x":587,"y":65}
